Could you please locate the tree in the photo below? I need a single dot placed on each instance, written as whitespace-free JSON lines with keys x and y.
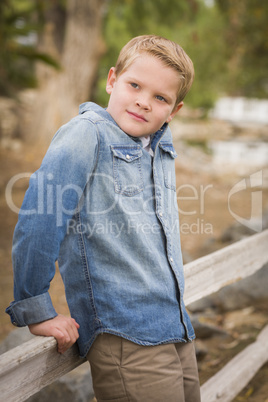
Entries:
{"x":246,"y":35}
{"x":72,"y":36}
{"x":129,"y":18}
{"x":17,"y":49}
{"x":226,"y":41}
{"x":196,"y":27}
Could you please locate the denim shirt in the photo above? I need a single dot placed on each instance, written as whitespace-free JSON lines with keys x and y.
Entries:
{"x":106,"y":210}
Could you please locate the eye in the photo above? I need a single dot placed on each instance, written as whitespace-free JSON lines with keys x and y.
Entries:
{"x":134,"y":85}
{"x":161,"y":98}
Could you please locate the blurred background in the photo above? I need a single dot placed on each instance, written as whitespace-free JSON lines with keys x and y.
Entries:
{"x":55,"y":54}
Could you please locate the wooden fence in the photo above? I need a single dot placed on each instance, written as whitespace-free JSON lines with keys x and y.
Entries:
{"x":31,"y":366}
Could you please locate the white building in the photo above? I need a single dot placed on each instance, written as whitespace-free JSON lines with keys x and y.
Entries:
{"x":241,"y":110}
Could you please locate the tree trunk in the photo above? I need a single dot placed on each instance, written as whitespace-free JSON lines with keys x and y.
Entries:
{"x":60,"y":92}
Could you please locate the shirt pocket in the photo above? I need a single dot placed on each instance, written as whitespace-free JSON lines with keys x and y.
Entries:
{"x":168,"y":155}
{"x":127,"y":169}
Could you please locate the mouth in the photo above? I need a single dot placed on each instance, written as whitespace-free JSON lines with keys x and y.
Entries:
{"x":137,"y":116}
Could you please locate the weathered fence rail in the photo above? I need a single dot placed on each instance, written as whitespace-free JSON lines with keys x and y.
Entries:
{"x":236,"y":374}
{"x":28,"y":368}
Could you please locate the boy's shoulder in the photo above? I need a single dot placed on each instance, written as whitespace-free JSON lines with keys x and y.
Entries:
{"x":92,"y":112}
{"x":82,"y":127}
{"x":93,"y":123}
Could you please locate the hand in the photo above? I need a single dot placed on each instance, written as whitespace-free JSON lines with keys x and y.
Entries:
{"x":64,"y":329}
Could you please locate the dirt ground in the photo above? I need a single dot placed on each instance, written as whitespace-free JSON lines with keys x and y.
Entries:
{"x":205,"y":208}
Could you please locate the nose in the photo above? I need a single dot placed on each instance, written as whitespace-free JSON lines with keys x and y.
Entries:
{"x":143,"y":103}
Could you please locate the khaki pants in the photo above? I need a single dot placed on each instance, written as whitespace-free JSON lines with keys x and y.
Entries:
{"x":123,"y":371}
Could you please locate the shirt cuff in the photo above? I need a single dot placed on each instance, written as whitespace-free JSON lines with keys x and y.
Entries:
{"x":31,"y":311}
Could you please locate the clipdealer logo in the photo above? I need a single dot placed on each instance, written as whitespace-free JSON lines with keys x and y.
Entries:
{"x":46,"y":193}
{"x":254,"y":182}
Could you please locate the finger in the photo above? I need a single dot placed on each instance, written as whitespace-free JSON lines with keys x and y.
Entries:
{"x":63,"y":329}
{"x":72,"y":329}
{"x":65,"y":337}
{"x":69,"y":322}
{"x":62,"y":337}
{"x":69,"y":325}
{"x":76,"y":323}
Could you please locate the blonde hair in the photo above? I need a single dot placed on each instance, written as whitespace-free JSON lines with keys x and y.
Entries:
{"x":170,"y":53}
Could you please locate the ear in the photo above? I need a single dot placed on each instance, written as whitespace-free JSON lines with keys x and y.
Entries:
{"x":175,"y":110}
{"x":110,"y":80}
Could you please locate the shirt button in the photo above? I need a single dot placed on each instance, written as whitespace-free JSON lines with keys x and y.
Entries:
{"x":160,"y":214}
{"x":127,"y":156}
{"x":171,"y":259}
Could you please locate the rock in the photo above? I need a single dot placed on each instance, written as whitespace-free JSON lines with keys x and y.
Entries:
{"x":248,"y":291}
{"x":238,"y":232}
{"x":75,"y":386}
{"x":201,"y":305}
{"x":235,"y":233}
{"x":204,"y":330}
{"x":201,"y":349}
{"x":15,"y":338}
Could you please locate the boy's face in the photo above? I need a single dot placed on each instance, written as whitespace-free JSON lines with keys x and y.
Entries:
{"x":143,"y":97}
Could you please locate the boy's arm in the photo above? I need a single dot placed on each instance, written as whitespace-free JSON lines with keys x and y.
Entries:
{"x":51,"y":200}
{"x":64,"y":329}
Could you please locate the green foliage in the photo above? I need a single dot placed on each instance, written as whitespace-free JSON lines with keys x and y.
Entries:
{"x":203,"y":41}
{"x":246,"y":33}
{"x":18,"y":29}
{"x":226,"y":41}
{"x":201,"y":144}
{"x":197,"y":28}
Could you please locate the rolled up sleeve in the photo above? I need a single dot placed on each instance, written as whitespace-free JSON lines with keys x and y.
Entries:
{"x":32,"y":310}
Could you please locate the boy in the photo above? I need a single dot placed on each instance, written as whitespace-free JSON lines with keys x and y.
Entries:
{"x":103,"y":204}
